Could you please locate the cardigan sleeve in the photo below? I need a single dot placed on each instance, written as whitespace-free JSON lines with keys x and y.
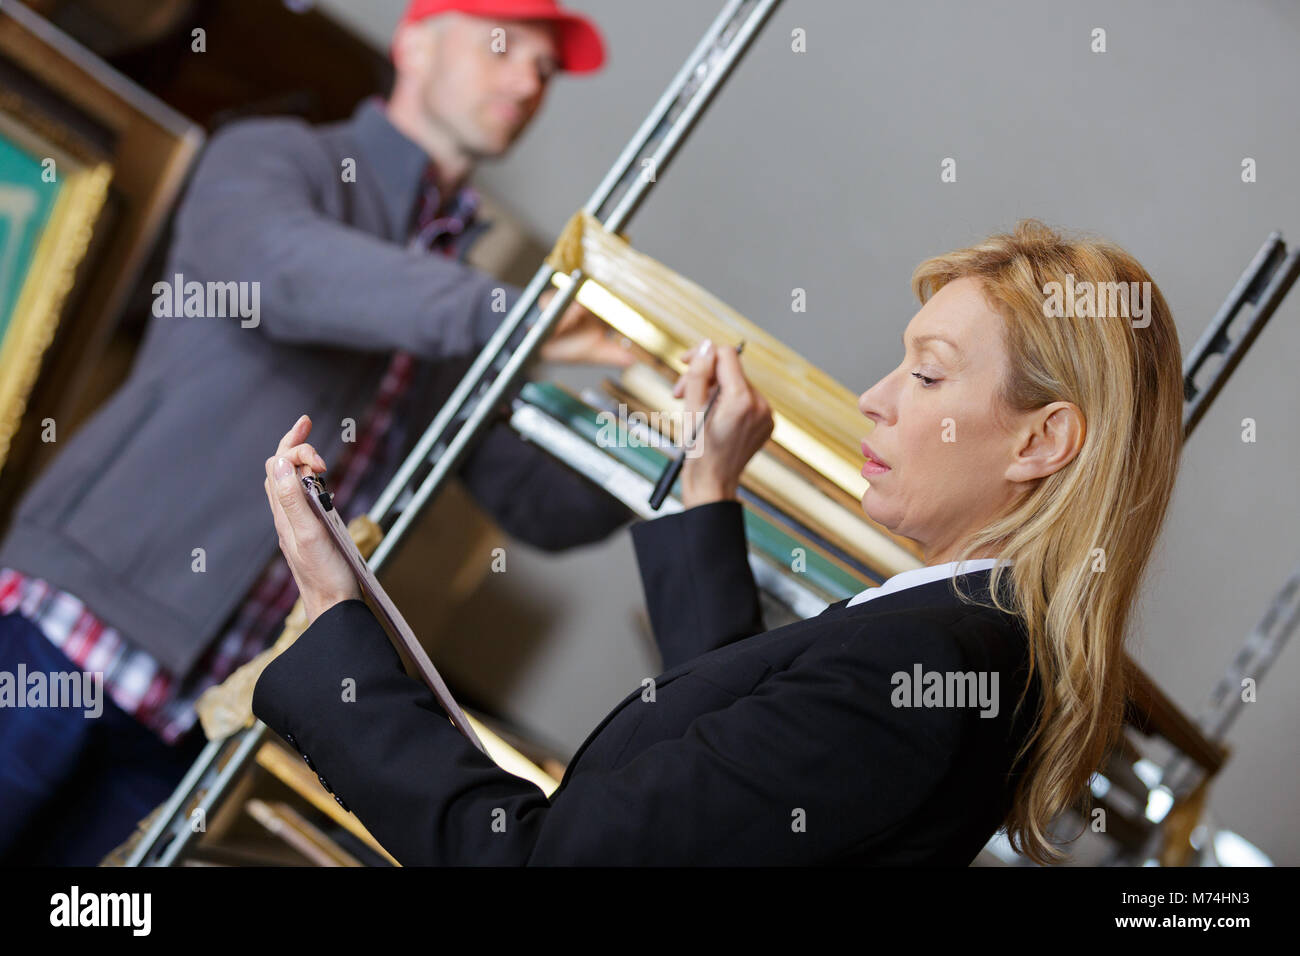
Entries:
{"x":816,"y":762}
{"x":251,"y":213}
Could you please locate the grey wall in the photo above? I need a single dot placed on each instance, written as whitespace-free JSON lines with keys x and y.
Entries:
{"x":821,"y":170}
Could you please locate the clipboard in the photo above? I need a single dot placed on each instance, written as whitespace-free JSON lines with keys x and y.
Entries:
{"x":399,"y":632}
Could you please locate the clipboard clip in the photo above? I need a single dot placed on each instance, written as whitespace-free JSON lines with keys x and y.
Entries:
{"x":314,"y":486}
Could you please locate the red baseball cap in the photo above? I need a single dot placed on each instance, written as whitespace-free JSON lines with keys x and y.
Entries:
{"x":580,"y":46}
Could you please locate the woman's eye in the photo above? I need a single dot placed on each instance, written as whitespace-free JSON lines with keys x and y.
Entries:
{"x":925,"y":381}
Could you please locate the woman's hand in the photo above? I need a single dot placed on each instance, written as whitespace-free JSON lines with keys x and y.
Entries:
{"x":739,"y":425}
{"x":324,"y":578}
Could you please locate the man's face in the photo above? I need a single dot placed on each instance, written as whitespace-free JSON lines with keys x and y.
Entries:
{"x":482,"y":80}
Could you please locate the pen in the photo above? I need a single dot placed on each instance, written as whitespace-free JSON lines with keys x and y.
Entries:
{"x":674,"y":467}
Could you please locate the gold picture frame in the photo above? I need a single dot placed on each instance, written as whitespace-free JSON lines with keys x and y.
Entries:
{"x":47,"y":276}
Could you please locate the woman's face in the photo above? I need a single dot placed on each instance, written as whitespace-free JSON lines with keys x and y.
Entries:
{"x":952,"y":461}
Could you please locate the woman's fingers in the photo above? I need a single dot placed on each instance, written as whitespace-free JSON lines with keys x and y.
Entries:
{"x":296,"y":458}
{"x":726,"y":367}
{"x":284,"y":492}
{"x":295,"y":435}
{"x":679,"y":389}
{"x":295,"y":450}
{"x":282,"y":529}
{"x":730,"y":375}
{"x":738,"y":401}
{"x":293,"y":504}
{"x":322,"y":574}
{"x":305,"y":454}
{"x":699,"y":377}
{"x":293,"y":447}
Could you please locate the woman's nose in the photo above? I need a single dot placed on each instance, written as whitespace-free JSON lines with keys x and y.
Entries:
{"x":868,"y":402}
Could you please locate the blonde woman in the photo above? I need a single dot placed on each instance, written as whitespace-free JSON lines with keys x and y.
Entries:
{"x":1032,"y":455}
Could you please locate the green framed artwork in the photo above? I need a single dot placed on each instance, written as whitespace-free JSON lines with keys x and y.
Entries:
{"x":28,"y":190}
{"x":90,"y":165}
{"x":50,"y":201}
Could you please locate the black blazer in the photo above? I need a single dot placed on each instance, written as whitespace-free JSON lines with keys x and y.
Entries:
{"x":782,"y":747}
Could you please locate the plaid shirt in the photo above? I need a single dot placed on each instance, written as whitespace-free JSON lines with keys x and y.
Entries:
{"x":162,"y":701}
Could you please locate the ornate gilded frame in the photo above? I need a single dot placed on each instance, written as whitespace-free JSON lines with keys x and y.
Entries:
{"x":120,"y":158}
{"x":81,"y":176}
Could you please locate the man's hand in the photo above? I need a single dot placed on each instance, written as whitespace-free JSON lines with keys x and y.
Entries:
{"x":739,"y":425}
{"x":580,"y":337}
{"x":324,"y":578}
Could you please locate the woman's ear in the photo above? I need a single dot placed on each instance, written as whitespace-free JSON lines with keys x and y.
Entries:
{"x":1051,"y":438}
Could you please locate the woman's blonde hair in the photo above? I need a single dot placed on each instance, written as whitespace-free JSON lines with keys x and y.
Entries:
{"x":1080,"y":540}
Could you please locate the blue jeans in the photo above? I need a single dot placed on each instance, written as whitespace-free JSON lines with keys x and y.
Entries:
{"x":73,"y":787}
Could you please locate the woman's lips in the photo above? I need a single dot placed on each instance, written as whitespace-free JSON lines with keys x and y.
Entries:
{"x":874,"y":466}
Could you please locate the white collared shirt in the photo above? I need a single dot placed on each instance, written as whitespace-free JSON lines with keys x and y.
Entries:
{"x":932,"y":572}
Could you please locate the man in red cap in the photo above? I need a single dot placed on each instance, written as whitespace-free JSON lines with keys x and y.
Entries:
{"x":142,"y":553}
{"x":472,"y":74}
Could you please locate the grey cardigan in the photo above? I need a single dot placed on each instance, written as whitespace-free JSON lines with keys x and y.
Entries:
{"x":173,"y":461}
